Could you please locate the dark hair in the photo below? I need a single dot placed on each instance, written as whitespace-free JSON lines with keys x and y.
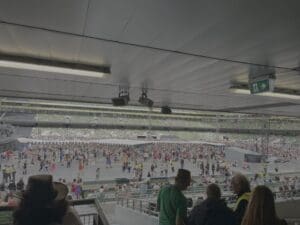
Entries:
{"x":32,"y":212}
{"x":183,"y":175}
{"x":213,"y":191}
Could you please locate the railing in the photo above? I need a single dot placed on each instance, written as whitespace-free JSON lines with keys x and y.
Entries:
{"x":149,"y":207}
{"x":140,"y":205}
{"x":95,"y":185}
{"x":6,"y":215}
{"x":89,"y":218}
{"x":151,"y":193}
{"x":95,"y":218}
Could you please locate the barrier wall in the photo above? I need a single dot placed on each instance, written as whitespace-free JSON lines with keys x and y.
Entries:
{"x":126,"y":216}
{"x":288,"y":209}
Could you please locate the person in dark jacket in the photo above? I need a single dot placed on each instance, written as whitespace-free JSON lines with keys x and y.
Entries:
{"x":212,"y":211}
{"x":241,"y":187}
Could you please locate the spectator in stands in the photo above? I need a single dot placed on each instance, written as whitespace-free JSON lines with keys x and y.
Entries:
{"x":73,"y":187}
{"x":12,"y":186}
{"x":171,"y":203}
{"x":43,"y":203}
{"x":212,"y":211}
{"x":261,"y":208}
{"x":20,"y":185}
{"x":98,"y":173}
{"x":241,"y":187}
{"x":13,"y":173}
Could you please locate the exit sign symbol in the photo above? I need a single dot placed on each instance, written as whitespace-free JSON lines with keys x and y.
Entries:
{"x":260,"y":86}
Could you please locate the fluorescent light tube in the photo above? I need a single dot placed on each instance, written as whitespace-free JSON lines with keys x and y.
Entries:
{"x":45,"y":65}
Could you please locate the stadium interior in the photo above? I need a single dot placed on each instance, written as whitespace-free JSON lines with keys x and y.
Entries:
{"x":112,"y":98}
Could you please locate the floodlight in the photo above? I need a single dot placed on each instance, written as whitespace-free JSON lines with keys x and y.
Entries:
{"x":123,"y":98}
{"x":166,"y":110}
{"x":144,"y":100}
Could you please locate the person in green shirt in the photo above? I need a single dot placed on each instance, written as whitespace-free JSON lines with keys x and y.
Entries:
{"x":171,"y":203}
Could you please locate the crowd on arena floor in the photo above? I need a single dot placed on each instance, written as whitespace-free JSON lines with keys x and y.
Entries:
{"x":215,"y":174}
{"x":132,"y":158}
{"x":164,"y":159}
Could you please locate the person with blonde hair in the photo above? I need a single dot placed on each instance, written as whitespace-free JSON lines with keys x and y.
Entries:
{"x":261,"y":208}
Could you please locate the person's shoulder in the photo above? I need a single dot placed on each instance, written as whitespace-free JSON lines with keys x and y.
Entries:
{"x":201,"y":206}
{"x":166,"y":188}
{"x":222,"y":207}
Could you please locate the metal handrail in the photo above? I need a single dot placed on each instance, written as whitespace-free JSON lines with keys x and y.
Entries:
{"x":141,"y":205}
{"x":93,"y":185}
{"x":148,"y":207}
{"x":113,"y":195}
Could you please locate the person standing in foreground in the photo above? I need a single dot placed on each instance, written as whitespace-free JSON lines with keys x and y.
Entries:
{"x":44,"y":203}
{"x":212,"y":211}
{"x":171,"y":203}
{"x":261,"y":208}
{"x":241,"y":187}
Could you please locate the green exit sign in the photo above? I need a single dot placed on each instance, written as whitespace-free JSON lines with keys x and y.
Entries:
{"x":260,"y":86}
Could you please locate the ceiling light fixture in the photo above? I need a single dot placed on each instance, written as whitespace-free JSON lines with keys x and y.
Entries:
{"x":166,"y":110}
{"x":123,"y":97}
{"x":144,"y":100}
{"x":45,"y":65}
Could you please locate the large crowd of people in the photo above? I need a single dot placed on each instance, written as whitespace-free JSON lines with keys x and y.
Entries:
{"x":163,"y":158}
{"x":137,"y":162}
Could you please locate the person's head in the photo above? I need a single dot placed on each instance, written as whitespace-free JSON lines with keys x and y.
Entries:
{"x":183,"y":179}
{"x":43,"y":202}
{"x":42,"y":188}
{"x":213,"y":191}
{"x":261,"y":208}
{"x":240,"y":184}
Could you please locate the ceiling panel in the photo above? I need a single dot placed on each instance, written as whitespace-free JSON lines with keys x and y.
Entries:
{"x":108,"y":18}
{"x":148,"y":43}
{"x":67,"y":15}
